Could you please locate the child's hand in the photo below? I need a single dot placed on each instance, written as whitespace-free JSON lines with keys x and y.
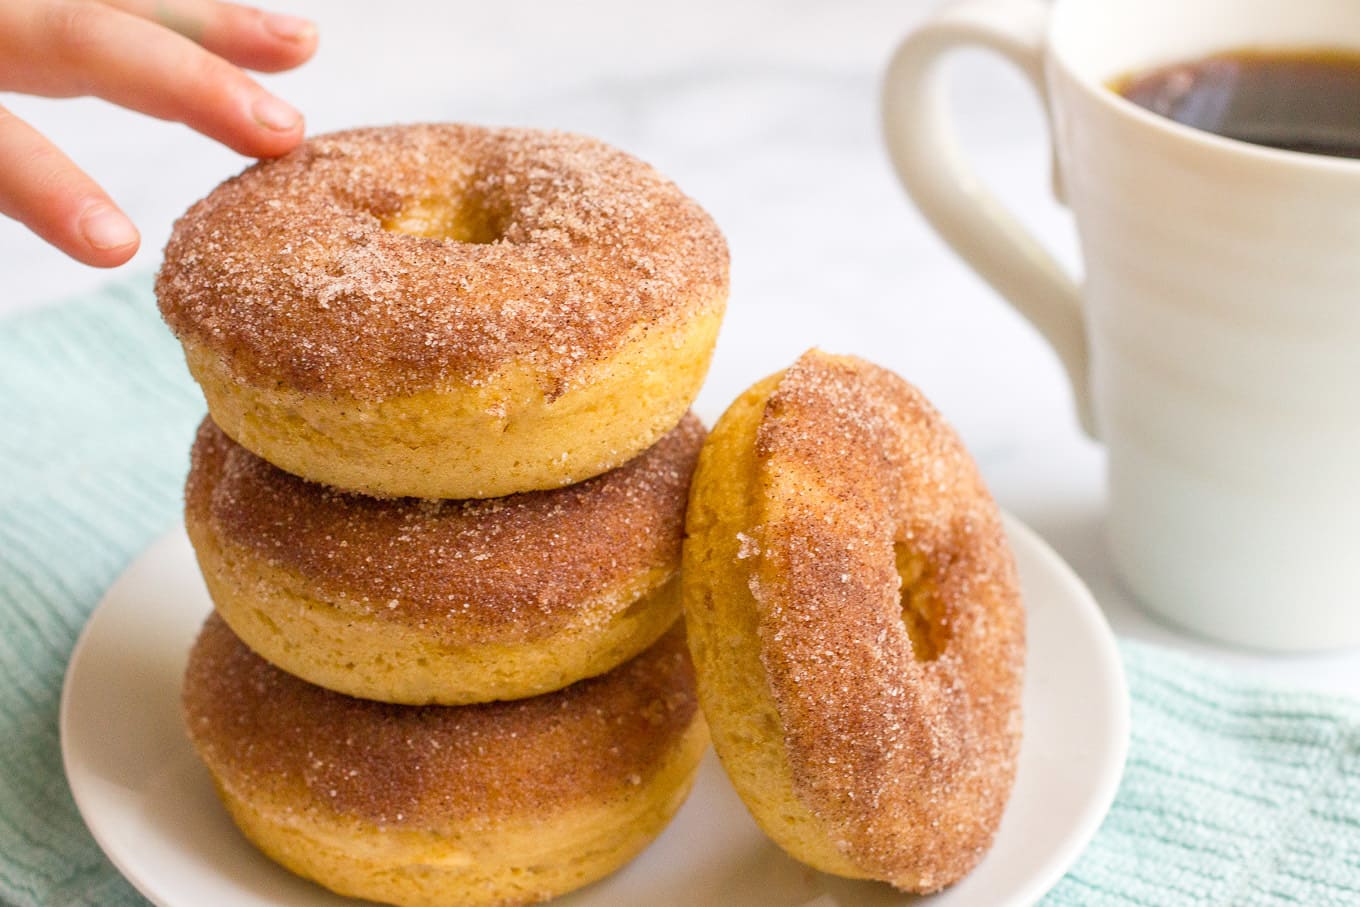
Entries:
{"x":173,"y":59}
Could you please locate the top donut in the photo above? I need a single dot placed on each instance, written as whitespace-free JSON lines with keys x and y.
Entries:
{"x":507,"y":267}
{"x":330,"y":269}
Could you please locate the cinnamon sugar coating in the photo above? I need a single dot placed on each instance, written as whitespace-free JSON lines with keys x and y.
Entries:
{"x":900,"y":706}
{"x":555,"y":249}
{"x":269,"y":736}
{"x":513,"y":567}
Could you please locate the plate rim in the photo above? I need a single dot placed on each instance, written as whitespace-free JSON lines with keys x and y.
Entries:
{"x":87,"y":631}
{"x":1057,"y":864}
{"x":1110,"y":658}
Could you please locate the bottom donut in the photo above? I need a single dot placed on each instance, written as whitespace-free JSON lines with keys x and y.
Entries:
{"x":498,"y":804}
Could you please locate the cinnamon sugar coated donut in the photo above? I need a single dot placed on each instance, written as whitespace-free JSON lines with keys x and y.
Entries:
{"x":498,"y":804}
{"x":856,"y":624}
{"x":416,"y":601}
{"x":446,"y":311}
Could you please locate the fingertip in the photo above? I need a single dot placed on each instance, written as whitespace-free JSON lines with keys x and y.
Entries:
{"x":292,"y":42}
{"x":275,"y":114}
{"x":243,"y":35}
{"x":109,"y":238}
{"x":112,"y":258}
{"x":279,"y":127}
{"x":292,"y":29}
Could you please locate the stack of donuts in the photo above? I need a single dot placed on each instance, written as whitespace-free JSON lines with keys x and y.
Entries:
{"x":439,"y":505}
{"x":442,"y":502}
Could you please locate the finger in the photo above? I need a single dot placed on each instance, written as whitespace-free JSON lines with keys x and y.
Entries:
{"x":86,"y":49}
{"x":249,"y":37}
{"x":43,"y":189}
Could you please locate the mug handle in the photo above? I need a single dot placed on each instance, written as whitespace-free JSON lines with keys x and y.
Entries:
{"x":925,"y":153}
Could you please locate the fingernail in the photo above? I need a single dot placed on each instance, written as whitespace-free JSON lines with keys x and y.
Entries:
{"x":289,"y":28}
{"x":272,"y":113}
{"x":105,"y":227}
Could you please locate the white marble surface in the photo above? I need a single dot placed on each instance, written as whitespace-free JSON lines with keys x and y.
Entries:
{"x":766,"y":112}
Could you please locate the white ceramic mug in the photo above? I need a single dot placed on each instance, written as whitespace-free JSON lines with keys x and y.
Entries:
{"x":1214,"y":343}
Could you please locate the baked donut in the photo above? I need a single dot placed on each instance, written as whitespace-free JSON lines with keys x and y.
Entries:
{"x":446,"y":311}
{"x":415,"y":601}
{"x":856,"y":624}
{"x":503,"y":803}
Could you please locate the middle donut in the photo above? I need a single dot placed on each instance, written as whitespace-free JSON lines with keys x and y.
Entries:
{"x":441,"y":602}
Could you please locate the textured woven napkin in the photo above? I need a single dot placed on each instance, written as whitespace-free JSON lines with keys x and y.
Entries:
{"x":1233,"y":795}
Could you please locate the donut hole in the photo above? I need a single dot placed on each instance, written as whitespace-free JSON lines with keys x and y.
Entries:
{"x":922,"y":611}
{"x":463,"y":219}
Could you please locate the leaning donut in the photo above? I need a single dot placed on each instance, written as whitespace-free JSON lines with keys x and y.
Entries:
{"x":856,"y":624}
{"x":446,"y":311}
{"x":424,"y":806}
{"x":415,"y":601}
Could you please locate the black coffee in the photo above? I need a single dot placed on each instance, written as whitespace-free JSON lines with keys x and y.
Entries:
{"x":1300,"y":100}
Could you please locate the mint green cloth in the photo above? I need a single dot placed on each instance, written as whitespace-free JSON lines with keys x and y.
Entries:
{"x":1234,"y":794}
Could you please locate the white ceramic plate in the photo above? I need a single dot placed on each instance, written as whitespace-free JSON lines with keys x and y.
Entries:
{"x":152,"y":808}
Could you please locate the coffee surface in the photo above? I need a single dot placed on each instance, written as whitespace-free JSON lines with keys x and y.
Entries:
{"x":1300,"y":100}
